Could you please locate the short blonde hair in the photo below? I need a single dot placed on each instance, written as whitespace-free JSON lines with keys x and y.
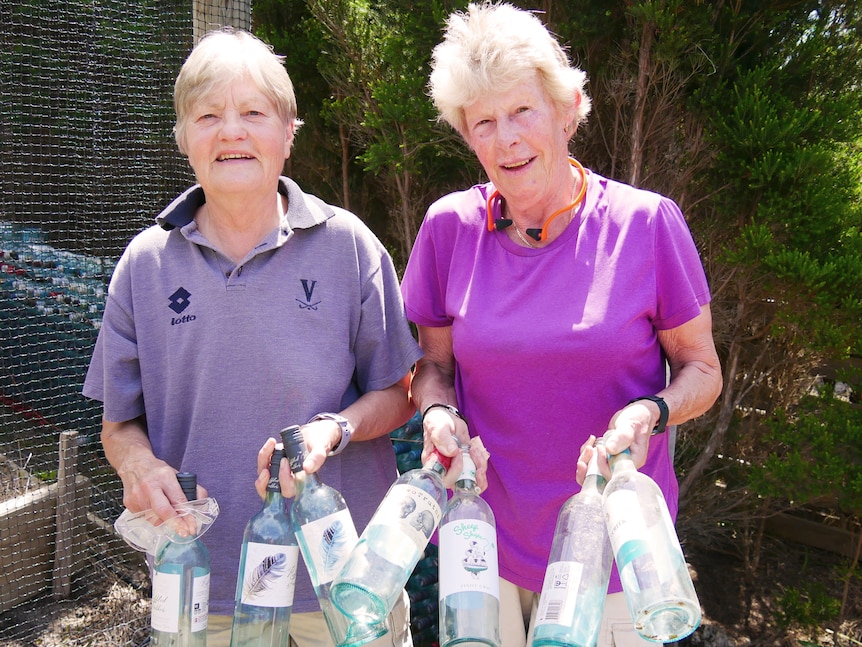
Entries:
{"x":494,"y":47}
{"x":224,"y":56}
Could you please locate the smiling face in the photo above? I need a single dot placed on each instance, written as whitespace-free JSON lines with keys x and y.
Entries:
{"x":236,"y":141}
{"x":520,"y":139}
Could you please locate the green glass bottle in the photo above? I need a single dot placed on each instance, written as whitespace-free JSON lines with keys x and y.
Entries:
{"x":267,"y":571}
{"x":181,"y":586}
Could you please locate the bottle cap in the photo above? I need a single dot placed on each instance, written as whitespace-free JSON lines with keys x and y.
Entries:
{"x":274,"y":465}
{"x":294,"y":447}
{"x":189,"y":484}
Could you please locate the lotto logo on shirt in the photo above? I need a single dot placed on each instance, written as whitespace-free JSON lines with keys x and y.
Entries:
{"x":178,"y":302}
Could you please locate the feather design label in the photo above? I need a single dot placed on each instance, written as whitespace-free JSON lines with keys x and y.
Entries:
{"x":269,"y":574}
{"x":329,"y":541}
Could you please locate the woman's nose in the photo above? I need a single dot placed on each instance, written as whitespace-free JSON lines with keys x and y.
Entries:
{"x":507,"y":133}
{"x":232,"y":127}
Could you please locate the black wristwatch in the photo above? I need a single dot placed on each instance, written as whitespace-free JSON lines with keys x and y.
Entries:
{"x":450,"y":408}
{"x":663,"y":411}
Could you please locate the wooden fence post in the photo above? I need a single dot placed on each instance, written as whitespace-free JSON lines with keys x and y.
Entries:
{"x":67,"y":514}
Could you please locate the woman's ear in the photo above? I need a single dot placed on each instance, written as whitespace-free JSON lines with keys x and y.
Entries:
{"x":289,"y":136}
{"x":572,"y":115}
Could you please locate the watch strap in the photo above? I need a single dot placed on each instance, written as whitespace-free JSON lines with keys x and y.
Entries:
{"x":450,"y":408}
{"x":663,"y":411}
{"x":344,"y":425}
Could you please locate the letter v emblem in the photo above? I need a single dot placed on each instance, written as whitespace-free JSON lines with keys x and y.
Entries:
{"x":309,"y":288}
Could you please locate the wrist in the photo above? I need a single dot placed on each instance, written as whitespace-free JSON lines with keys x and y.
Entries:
{"x":344,"y":427}
{"x":453,"y":410}
{"x":663,"y":411}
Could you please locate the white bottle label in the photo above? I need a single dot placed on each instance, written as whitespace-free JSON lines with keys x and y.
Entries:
{"x":165,"y":614}
{"x":329,"y":541}
{"x":470,"y":549}
{"x":200,"y":603}
{"x":626,"y":526}
{"x":269,"y":576}
{"x":560,"y":578}
{"x":415,"y":512}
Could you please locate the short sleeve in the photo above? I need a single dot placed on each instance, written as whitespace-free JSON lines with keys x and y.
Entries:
{"x":681,"y":283}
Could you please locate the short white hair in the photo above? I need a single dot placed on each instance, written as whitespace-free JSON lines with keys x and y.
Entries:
{"x":224,"y":56}
{"x":495,"y":47}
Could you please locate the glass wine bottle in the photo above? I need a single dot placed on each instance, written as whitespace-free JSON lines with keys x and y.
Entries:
{"x":657,"y":586}
{"x":374,"y":576}
{"x":267,"y":572}
{"x":579,"y":568}
{"x":181,"y":586}
{"x":469,"y":584}
{"x":326,"y":535}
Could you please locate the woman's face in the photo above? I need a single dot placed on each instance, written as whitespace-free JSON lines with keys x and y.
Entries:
{"x":520,"y":141}
{"x":236,"y":141}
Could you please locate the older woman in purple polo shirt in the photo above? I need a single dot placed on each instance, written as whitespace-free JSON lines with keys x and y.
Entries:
{"x":550,"y":302}
{"x":251,"y":305}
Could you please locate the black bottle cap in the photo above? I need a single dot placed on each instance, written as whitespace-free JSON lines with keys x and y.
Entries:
{"x":294,"y":447}
{"x":189,"y":484}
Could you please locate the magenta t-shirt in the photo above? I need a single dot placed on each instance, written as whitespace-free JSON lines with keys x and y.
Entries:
{"x":549,"y":343}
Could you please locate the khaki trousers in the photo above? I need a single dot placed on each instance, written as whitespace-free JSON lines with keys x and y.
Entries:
{"x":310,"y":630}
{"x":518,"y":614}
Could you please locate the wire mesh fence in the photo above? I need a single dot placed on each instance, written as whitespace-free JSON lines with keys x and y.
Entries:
{"x":87,"y":153}
{"x":88,"y":156}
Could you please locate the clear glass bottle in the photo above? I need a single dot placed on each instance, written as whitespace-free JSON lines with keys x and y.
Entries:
{"x":579,"y":568}
{"x":267,"y":571}
{"x":371,"y":581}
{"x":469,"y":582}
{"x":326,"y":535}
{"x":181,"y":586}
{"x":658,"y":588}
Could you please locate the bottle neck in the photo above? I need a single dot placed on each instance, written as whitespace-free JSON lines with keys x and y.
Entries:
{"x":467,"y":479}
{"x":296,"y":457}
{"x":621,"y":462}
{"x":305,"y":481}
{"x":273,"y":498}
{"x":437,"y":463}
{"x":274,"y":464}
{"x":594,"y":478}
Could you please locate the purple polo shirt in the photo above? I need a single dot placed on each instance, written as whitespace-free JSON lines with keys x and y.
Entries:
{"x":549,"y":343}
{"x":222,"y":356}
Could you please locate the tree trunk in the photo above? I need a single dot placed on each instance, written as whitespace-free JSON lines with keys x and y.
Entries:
{"x":641,"y":94}
{"x":725,"y":415}
{"x":345,"y":166}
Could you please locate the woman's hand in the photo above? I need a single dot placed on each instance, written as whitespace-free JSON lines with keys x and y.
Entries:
{"x":448,"y":433}
{"x":285,"y":475}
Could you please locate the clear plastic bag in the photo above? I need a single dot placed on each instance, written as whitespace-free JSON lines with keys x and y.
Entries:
{"x":144,"y":530}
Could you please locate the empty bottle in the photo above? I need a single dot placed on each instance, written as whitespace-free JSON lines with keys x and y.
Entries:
{"x":579,"y":568}
{"x":326,"y":535}
{"x":267,"y":572}
{"x":374,"y":576}
{"x":181,"y":586}
{"x":469,"y":584}
{"x":658,"y":588}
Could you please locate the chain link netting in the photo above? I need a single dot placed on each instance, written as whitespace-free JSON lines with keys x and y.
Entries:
{"x":88,"y":158}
